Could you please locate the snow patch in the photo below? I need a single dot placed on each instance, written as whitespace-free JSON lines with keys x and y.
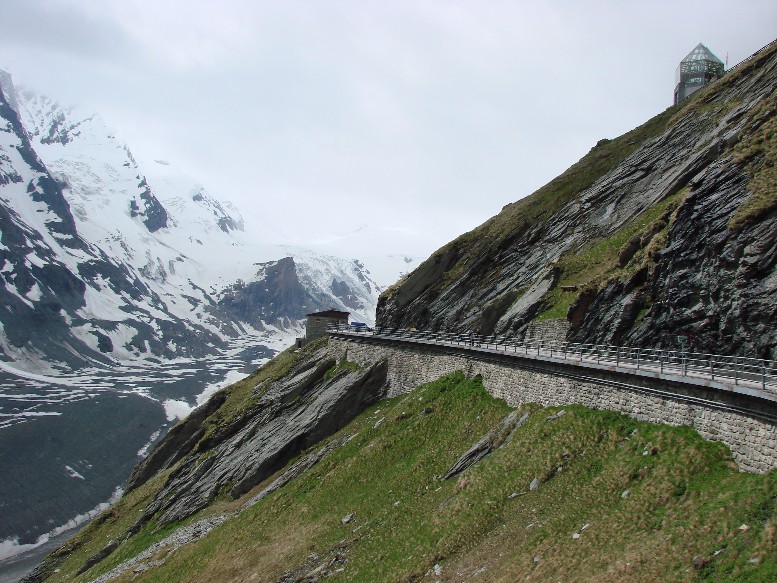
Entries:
{"x":72,"y":473}
{"x":175,"y":409}
{"x":231,"y":377}
{"x":32,"y":376}
{"x":143,"y":451}
{"x":34,"y":294}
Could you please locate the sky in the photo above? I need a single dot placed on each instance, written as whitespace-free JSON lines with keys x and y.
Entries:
{"x":364,"y":127}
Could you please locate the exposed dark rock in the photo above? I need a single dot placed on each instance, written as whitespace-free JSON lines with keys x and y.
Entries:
{"x":99,"y":556}
{"x":341,"y":290}
{"x":293,"y":414}
{"x":104,"y":343}
{"x":228,"y":224}
{"x":713,"y":284}
{"x":528,"y":305}
{"x":488,"y":443}
{"x":276,"y":295}
{"x":149,"y":208}
{"x":579,"y":307}
{"x":555,"y":416}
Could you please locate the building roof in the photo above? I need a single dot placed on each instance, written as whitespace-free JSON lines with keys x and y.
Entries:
{"x":330,"y":314}
{"x":701,"y":53}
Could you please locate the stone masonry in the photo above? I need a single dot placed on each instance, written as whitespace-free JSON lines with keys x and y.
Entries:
{"x":554,"y":330}
{"x":749,"y":429}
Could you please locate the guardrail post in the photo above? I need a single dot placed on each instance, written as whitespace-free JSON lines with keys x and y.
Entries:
{"x":637,"y":358}
{"x":617,"y":356}
{"x":661,"y":363}
{"x":712,"y":367}
{"x":736,"y":370}
{"x":763,"y":377}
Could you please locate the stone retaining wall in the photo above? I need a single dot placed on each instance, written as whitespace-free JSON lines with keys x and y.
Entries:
{"x":751,"y":435}
{"x":554,"y":330}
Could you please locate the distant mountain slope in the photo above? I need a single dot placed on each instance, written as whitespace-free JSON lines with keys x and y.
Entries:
{"x":668,"y":230}
{"x":105,"y":262}
{"x":127,"y":293}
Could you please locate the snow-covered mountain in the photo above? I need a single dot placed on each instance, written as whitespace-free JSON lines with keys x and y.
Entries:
{"x":128,"y":294}
{"x":104,"y":261}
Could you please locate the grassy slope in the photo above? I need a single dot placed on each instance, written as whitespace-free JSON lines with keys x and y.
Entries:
{"x":114,"y":523}
{"x":758,"y":150}
{"x":685,"y":501}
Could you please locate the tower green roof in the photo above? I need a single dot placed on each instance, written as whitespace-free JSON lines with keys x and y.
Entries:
{"x":701,"y":53}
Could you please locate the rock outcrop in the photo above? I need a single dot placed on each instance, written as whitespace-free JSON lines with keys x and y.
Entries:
{"x":488,"y":443}
{"x":313,"y":401}
{"x":275,"y":296}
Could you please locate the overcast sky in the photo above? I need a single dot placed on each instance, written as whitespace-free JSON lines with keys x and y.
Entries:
{"x":410,"y":122}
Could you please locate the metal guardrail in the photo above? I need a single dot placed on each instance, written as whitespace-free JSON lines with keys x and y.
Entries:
{"x":738,"y":370}
{"x":751,"y":57}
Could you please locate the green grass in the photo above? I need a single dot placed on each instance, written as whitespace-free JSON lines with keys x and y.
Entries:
{"x":342,"y":366}
{"x":597,"y":263}
{"x":112,"y":524}
{"x":685,"y":500}
{"x":758,"y":150}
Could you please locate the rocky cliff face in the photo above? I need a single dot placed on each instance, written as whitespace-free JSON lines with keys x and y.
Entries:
{"x":246,"y":433}
{"x":667,"y":230}
{"x":312,"y":402}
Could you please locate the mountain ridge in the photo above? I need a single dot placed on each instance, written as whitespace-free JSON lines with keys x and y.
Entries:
{"x":148,"y":238}
{"x":515,"y":267}
{"x":115,"y":308}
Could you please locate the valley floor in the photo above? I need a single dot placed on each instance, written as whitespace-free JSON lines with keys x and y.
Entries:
{"x":68,"y":442}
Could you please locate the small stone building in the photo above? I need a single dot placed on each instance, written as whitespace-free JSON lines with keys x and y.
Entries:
{"x":696,"y":70}
{"x":319,"y":321}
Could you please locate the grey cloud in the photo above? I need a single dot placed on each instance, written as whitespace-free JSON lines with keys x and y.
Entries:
{"x":62,"y":28}
{"x":394,"y":111}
